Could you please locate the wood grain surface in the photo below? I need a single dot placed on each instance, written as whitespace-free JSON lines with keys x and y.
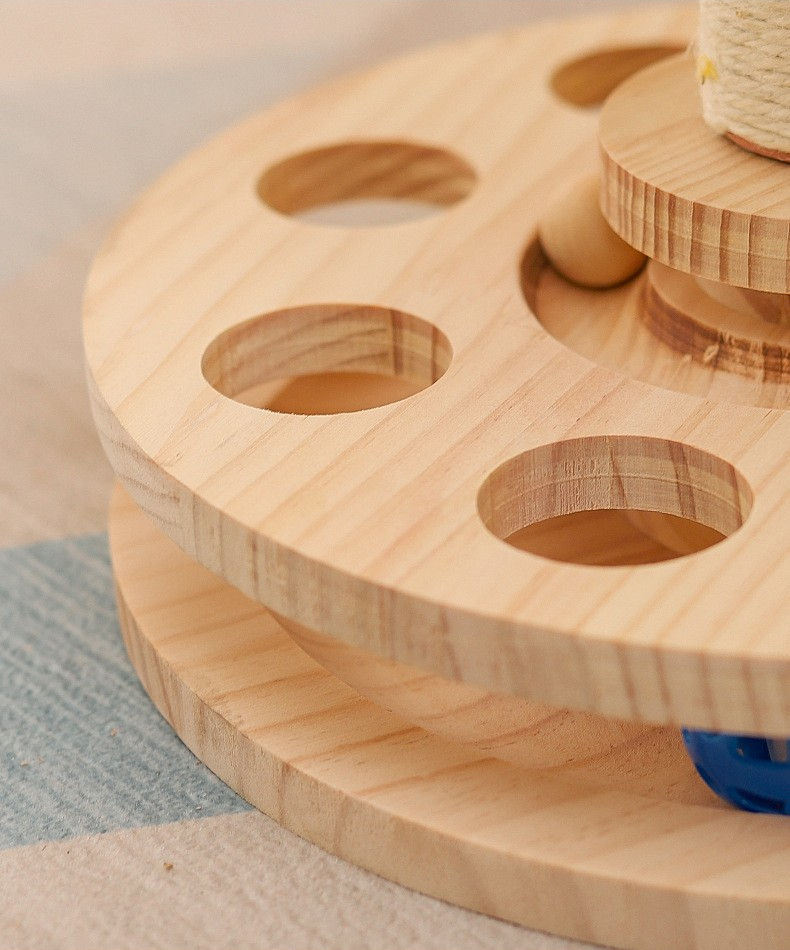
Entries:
{"x":611,"y":328}
{"x":385,"y":527}
{"x":686,"y":196}
{"x":96,"y":99}
{"x":734,"y":338}
{"x":542,"y":848}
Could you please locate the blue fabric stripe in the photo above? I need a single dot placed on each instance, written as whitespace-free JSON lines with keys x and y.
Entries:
{"x":82,"y":749}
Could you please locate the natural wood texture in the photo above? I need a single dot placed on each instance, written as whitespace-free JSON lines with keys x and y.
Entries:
{"x":97,"y":98}
{"x":681,"y":314}
{"x":775,"y":308}
{"x":606,"y":751}
{"x":686,"y":196}
{"x":600,"y":752}
{"x":540,"y":848}
{"x":676,"y":535}
{"x":380,"y":527}
{"x":614,"y":537}
{"x":608,"y":327}
{"x":326,"y":339}
{"x":578,"y":241}
{"x":328,"y":393}
{"x":588,"y":80}
{"x":355,"y":171}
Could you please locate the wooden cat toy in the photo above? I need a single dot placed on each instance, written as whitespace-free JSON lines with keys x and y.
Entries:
{"x":435,"y":531}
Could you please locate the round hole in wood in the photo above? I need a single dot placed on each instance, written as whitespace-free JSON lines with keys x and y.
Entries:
{"x":729,"y":358}
{"x":587,"y":80}
{"x":326,"y":358}
{"x":614,"y":500}
{"x":366,"y":183}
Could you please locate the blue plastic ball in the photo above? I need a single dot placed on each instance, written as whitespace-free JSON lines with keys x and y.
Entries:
{"x":748,"y":771}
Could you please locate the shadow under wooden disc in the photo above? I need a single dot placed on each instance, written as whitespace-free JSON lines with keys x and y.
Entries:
{"x":538,"y":848}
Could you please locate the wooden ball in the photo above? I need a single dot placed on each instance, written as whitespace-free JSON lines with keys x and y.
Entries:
{"x":579,"y":242}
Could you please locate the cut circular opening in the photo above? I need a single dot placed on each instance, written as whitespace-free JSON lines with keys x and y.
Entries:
{"x":366,"y":183}
{"x":587,"y":80}
{"x":326,"y":358}
{"x":614,"y":500}
{"x":735,"y":359}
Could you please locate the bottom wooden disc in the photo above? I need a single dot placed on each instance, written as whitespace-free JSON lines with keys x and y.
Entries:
{"x":538,"y":848}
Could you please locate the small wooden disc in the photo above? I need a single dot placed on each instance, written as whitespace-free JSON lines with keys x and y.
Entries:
{"x":537,"y":848}
{"x":682,"y":315}
{"x":686,"y":196}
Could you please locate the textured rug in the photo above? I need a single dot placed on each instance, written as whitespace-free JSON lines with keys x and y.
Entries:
{"x":112,"y":834}
{"x":83,"y":749}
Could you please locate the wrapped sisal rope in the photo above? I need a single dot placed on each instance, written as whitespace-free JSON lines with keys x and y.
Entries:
{"x":743,"y":65}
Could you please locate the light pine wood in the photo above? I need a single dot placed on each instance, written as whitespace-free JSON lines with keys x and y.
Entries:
{"x":679,"y":312}
{"x":600,"y":752}
{"x":606,"y":751}
{"x":587,"y":80}
{"x":686,"y":196}
{"x":383,"y":528}
{"x":97,"y":97}
{"x":609,"y":327}
{"x":773,"y":308}
{"x":540,"y":848}
{"x":579,"y":242}
{"x":609,"y":752}
{"x":676,"y":535}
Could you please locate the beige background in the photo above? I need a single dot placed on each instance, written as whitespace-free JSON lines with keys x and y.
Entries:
{"x":96,"y":98}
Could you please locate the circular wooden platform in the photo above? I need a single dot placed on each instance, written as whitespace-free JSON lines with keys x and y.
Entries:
{"x":384,"y":527}
{"x":540,"y":848}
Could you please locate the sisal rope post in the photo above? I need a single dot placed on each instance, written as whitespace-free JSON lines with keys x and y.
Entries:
{"x":743,"y":66}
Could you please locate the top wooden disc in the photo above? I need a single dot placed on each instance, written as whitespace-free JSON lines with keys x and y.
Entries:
{"x":685,"y":196}
{"x":384,"y":526}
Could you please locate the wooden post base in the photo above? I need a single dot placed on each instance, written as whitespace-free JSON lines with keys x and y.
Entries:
{"x":729,"y":334}
{"x":535,"y":847}
{"x":779,"y":154}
